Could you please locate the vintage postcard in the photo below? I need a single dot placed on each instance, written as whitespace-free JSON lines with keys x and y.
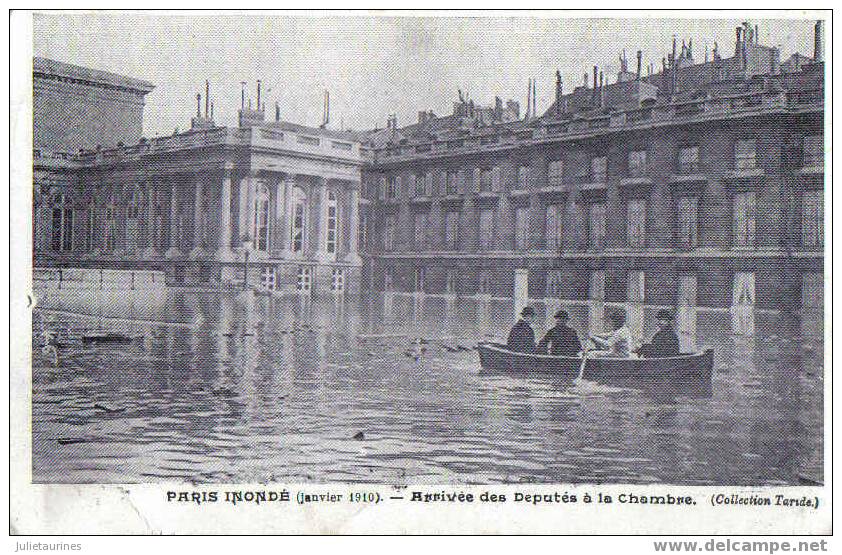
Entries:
{"x":420,"y":273}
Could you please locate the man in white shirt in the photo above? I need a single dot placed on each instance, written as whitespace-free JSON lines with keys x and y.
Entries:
{"x":616,"y":344}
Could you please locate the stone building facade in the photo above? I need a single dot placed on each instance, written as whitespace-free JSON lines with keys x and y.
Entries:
{"x":77,"y":107}
{"x":272,"y":203}
{"x":701,"y":184}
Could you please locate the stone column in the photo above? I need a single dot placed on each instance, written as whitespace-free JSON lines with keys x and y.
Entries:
{"x":321,"y":253}
{"x":198,"y":220}
{"x":285,"y":215}
{"x":151,"y":251}
{"x":223,"y":251}
{"x":173,"y":250}
{"x":247,"y":207}
{"x":353,"y":216}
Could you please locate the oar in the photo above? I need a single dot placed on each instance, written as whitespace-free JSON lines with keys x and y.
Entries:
{"x":582,"y":366}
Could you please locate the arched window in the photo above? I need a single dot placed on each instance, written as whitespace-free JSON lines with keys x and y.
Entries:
{"x":332,"y":223}
{"x":261,"y":218}
{"x":132,"y":213}
{"x":62,"y":227}
{"x":299,"y":219}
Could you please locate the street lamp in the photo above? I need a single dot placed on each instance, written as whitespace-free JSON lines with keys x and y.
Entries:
{"x":247,"y":245}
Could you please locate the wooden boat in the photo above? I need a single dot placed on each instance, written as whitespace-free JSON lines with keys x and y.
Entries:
{"x":495,"y":357}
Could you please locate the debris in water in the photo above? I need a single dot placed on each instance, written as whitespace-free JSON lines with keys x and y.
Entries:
{"x":70,"y":440}
{"x":359,"y":436}
{"x":104,"y":408}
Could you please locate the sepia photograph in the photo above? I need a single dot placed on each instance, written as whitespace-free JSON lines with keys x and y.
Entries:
{"x":406,"y":249}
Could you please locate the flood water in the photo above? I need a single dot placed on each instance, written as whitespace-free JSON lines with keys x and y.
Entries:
{"x":221,"y":387}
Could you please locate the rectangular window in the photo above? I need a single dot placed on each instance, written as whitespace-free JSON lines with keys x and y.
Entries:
{"x":304,"y":280}
{"x":261,"y":223}
{"x":688,"y":160}
{"x":523,"y":177}
{"x":450,"y":282}
{"x":332,"y":227}
{"x":389,"y":234}
{"x":62,"y":239}
{"x":596,"y":226}
{"x":813,"y":151}
{"x":110,"y":242}
{"x":340,"y":146}
{"x":637,"y":163}
{"x":486,"y":229}
{"x":420,"y":186}
{"x":812,"y":219}
{"x":688,"y":222}
{"x":89,"y":232}
{"x":599,"y":169}
{"x":636,"y":223}
{"x":637,"y":287}
{"x":745,"y":154}
{"x":337,"y":280}
{"x":298,"y":227}
{"x":419,"y":280}
{"x":420,"y":231}
{"x":305,"y":140}
{"x":428,"y":184}
{"x":486,"y":180}
{"x":391,"y":187}
{"x":522,"y":229}
{"x":744,"y":219}
{"x":452,"y":184}
{"x":555,"y":227}
{"x":267,"y":278}
{"x":596,"y":288}
{"x":554,"y":283}
{"x":451,"y":230}
{"x":555,"y":173}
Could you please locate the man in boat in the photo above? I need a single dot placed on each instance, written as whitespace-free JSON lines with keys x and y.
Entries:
{"x":665,"y":341}
{"x":562,"y":339}
{"x":522,"y":336}
{"x":616,"y":344}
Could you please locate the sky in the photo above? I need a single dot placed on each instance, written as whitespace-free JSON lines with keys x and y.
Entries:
{"x":372,"y":65}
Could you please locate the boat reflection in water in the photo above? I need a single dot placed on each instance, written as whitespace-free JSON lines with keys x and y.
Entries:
{"x":237,"y":387}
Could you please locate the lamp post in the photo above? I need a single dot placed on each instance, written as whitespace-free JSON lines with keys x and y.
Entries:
{"x":246,"y":242}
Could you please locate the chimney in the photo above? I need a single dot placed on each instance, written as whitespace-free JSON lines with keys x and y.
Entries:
{"x":818,"y":41}
{"x":585,"y":80}
{"x":756,"y":34}
{"x":258,"y":95}
{"x":534,"y":97}
{"x":528,"y":99}
{"x":639,"y":63}
{"x":207,"y":99}
{"x":198,"y":105}
{"x":242,"y":95}
{"x":326,"y":112}
{"x":277,"y":111}
{"x":211,"y":112}
{"x":601,"y":90}
{"x":558,"y":92}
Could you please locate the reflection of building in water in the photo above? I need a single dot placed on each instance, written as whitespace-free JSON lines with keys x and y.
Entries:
{"x":708,"y":172}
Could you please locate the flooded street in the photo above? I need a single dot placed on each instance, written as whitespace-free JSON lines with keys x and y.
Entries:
{"x":221,"y":387}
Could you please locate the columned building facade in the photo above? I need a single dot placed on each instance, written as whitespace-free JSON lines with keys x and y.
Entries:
{"x":276,"y":206}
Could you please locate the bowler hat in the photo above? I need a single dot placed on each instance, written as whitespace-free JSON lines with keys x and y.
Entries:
{"x":561,"y":315}
{"x":527,"y":311}
{"x":664,"y":315}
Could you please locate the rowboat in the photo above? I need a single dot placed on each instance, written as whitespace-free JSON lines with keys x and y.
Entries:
{"x":496,"y":358}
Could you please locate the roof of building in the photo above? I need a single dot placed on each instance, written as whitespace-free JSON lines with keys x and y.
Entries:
{"x":94,"y":76}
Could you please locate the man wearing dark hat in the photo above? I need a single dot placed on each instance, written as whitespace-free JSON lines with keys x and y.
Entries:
{"x":561,"y":338}
{"x":522,"y":336}
{"x":665,"y":341}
